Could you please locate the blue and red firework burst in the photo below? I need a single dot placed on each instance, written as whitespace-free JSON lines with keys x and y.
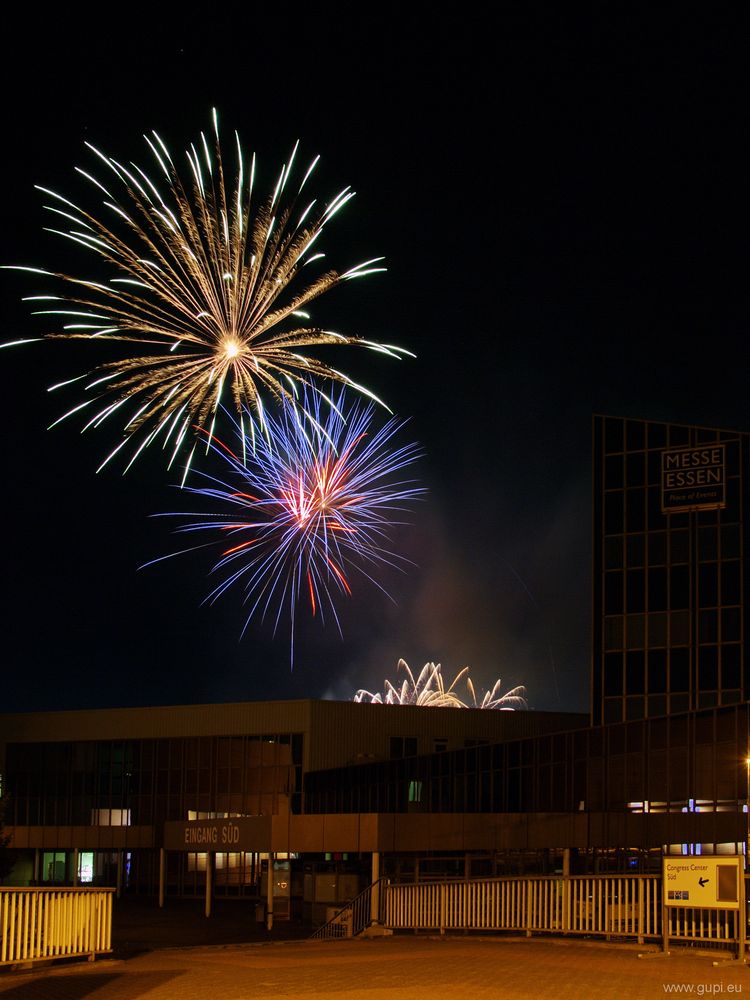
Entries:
{"x":305,"y":502}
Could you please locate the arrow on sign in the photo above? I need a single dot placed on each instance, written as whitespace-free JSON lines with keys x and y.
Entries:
{"x":702,"y":882}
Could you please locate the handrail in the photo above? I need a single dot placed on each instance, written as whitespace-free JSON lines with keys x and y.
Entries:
{"x":354,"y":916}
{"x":628,"y":906}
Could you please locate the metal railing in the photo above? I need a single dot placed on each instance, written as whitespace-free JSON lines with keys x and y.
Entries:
{"x":608,"y":905}
{"x":37,"y":924}
{"x":355,"y":916}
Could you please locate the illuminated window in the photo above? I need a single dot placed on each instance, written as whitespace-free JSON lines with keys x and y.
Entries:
{"x":53,"y":866}
{"x":86,"y":866}
{"x":110,"y":817}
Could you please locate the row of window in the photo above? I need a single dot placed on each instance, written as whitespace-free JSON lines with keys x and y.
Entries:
{"x":637,"y":707}
{"x":639,"y":509}
{"x":154,"y":780}
{"x":660,"y":589}
{"x":668,"y":759}
{"x":662,"y":629}
{"x":123,"y":756}
{"x":662,"y":548}
{"x":621,"y":435}
{"x":610,"y":784}
{"x":658,"y":672}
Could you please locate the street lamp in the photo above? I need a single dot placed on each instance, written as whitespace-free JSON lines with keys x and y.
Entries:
{"x":747,"y":810}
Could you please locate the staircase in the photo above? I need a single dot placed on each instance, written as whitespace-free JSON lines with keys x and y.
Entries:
{"x":362,"y":916}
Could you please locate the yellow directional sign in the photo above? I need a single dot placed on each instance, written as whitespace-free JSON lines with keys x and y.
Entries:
{"x":711,"y":882}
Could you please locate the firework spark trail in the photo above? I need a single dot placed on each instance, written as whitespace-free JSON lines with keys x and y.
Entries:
{"x":428,"y":689}
{"x":314,"y":502}
{"x":208,"y":281}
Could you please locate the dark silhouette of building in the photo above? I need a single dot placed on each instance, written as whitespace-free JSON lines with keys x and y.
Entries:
{"x":671,"y":562}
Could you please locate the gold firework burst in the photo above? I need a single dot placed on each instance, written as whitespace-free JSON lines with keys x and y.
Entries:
{"x":209,"y":280}
{"x":428,"y":689}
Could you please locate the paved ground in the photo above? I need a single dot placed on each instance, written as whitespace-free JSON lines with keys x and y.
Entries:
{"x":396,"y":968}
{"x":139,"y":925}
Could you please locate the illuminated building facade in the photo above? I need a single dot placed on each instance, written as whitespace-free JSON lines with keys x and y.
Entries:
{"x":671,"y":564}
{"x":93,"y":796}
{"x":660,"y":766}
{"x":617,"y":794}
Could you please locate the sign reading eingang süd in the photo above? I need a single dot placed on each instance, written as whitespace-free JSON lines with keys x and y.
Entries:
{"x":693,"y":478}
{"x":220,"y":835}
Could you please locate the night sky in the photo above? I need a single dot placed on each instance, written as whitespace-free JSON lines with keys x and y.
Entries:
{"x":562,"y":204}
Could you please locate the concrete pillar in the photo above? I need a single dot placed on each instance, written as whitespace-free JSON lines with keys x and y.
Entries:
{"x":269,"y":894}
{"x":36,"y":867}
{"x":162,"y":873}
{"x":566,"y":862}
{"x":209,"y":882}
{"x":375,"y":894}
{"x":75,"y":866}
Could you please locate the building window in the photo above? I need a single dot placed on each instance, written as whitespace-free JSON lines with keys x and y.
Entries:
{"x":657,"y":671}
{"x":613,"y":552}
{"x":635,"y":635}
{"x":708,"y":626}
{"x":730,"y":541}
{"x":86,"y":867}
{"x":636,"y":590}
{"x":54,"y":864}
{"x":657,"y":631}
{"x":613,"y":479}
{"x":613,"y":593}
{"x":657,"y":548}
{"x":415,"y":791}
{"x":402,"y":746}
{"x":708,"y":668}
{"x":679,"y":587}
{"x":708,"y":544}
{"x":679,"y":547}
{"x":613,"y":635}
{"x":679,"y":671}
{"x":613,"y":513}
{"x":110,"y":817}
{"x":636,"y":545}
{"x":731,"y":658}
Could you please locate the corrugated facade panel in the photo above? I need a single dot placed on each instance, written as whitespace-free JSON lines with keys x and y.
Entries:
{"x":158,"y":722}
{"x":345,"y":733}
{"x":334,"y":733}
{"x":429,"y":832}
{"x":85,"y":838}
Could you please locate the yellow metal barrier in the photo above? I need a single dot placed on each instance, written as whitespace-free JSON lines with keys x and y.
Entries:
{"x":37,"y":924}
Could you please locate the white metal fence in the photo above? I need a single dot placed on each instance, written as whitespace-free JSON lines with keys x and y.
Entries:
{"x":609,"y":905}
{"x":40,"y":924}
